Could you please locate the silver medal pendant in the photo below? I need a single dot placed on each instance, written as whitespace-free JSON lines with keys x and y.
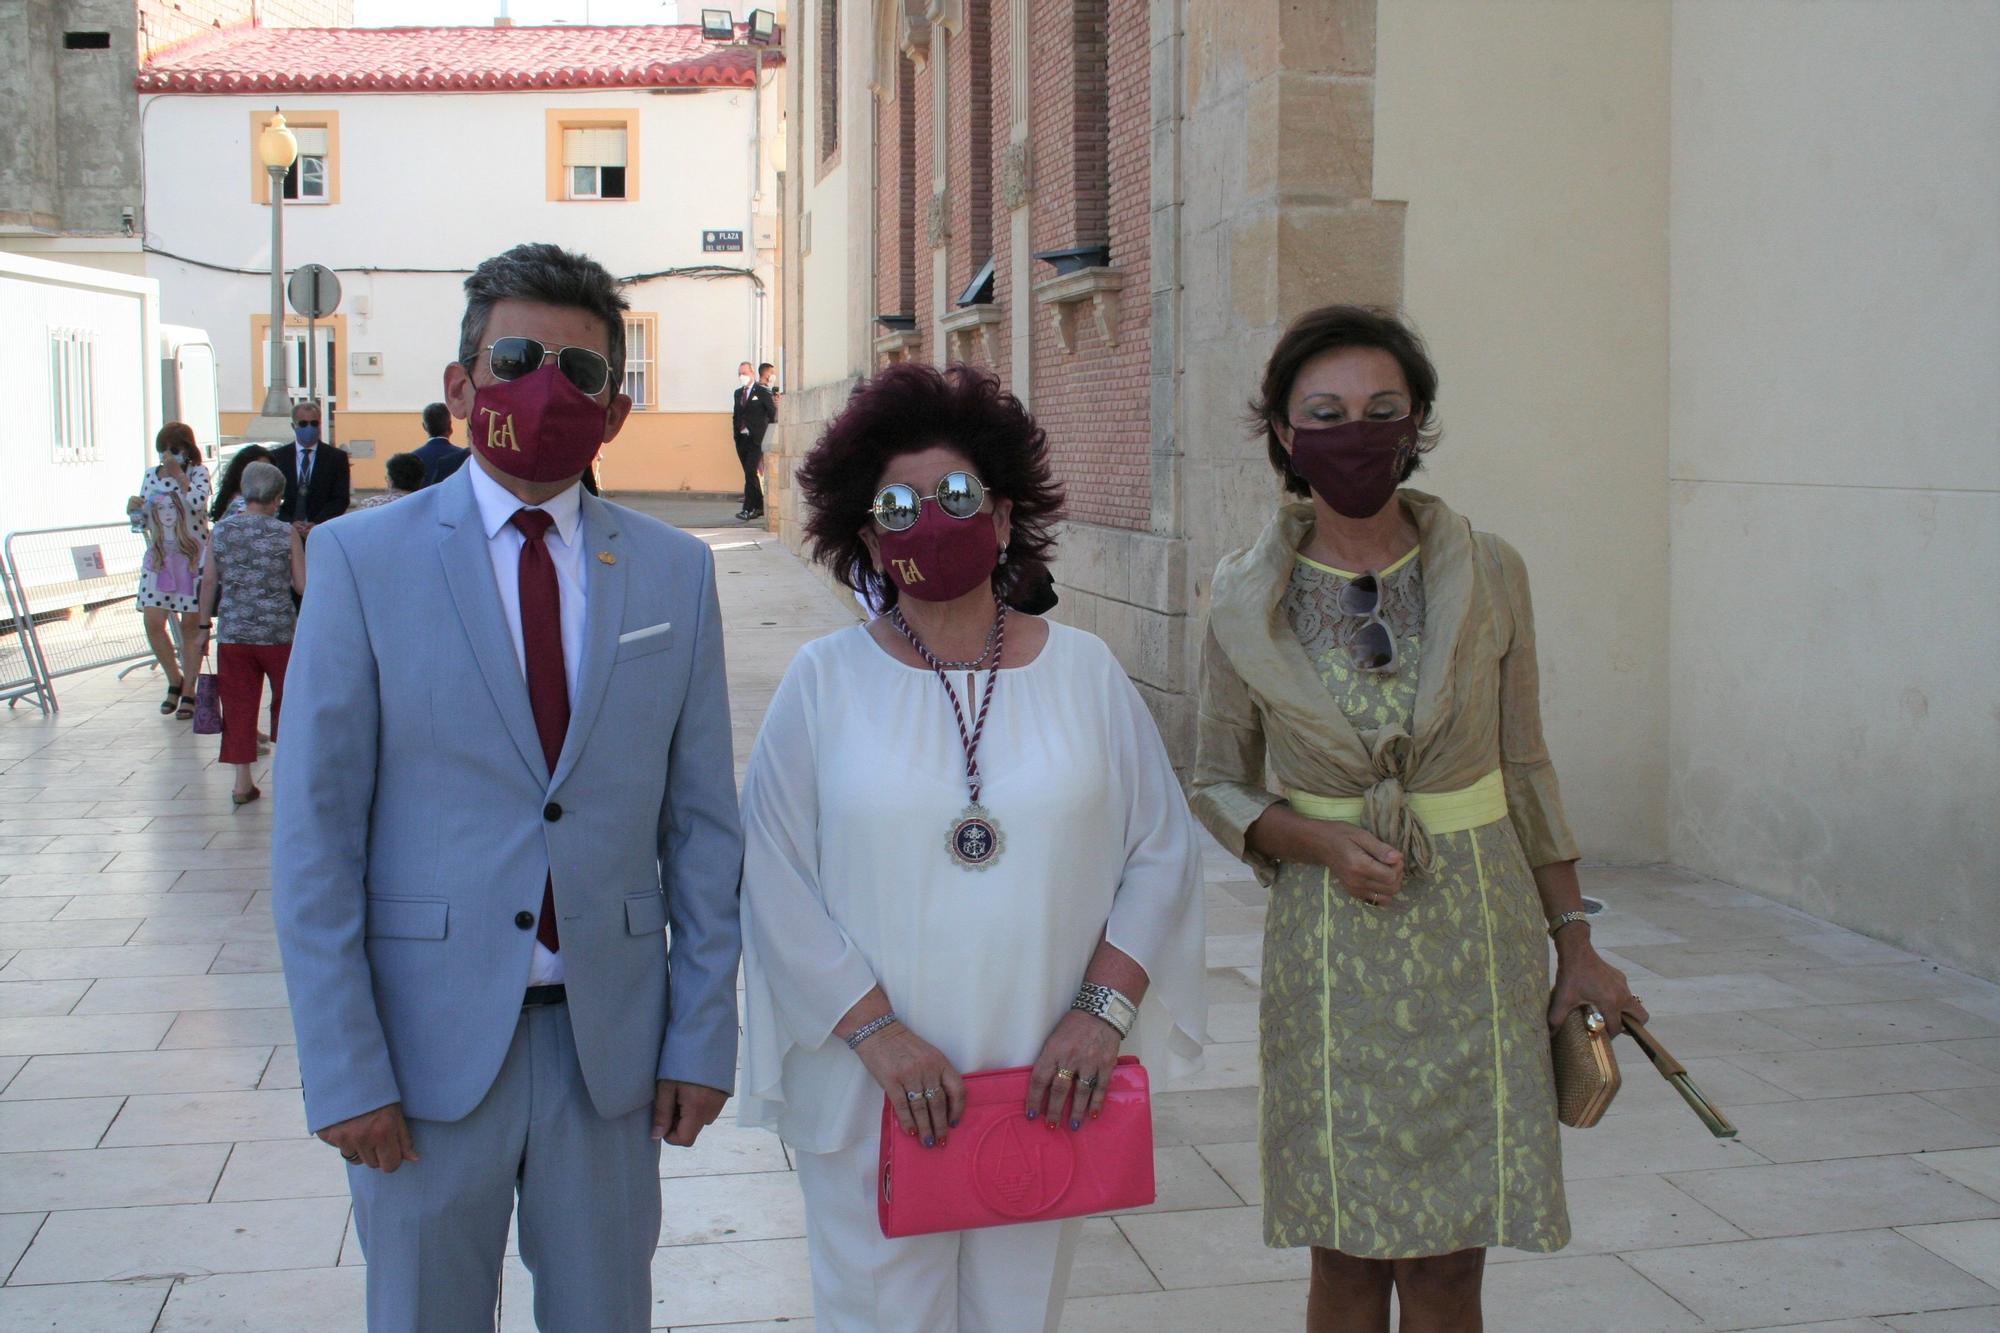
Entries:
{"x":975,"y":841}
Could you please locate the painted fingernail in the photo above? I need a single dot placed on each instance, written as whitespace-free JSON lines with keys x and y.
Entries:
{"x":1031,"y":1113}
{"x":1054,"y":1123}
{"x":929,"y":1142}
{"x":1095,"y":1114}
{"x":954,"y":1124}
{"x":1075,"y":1125}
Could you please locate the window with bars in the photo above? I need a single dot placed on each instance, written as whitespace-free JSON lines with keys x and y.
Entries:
{"x":297,"y":389}
{"x":594,"y":162}
{"x":73,"y":395}
{"x":638,"y":384}
{"x":308,"y":181}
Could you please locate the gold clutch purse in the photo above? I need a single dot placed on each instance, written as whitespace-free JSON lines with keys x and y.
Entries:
{"x":1586,"y":1071}
{"x":1587,"y":1075}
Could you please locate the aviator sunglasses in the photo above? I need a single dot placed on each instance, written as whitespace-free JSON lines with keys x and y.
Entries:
{"x":959,"y":494}
{"x":511,"y":358}
{"x":1374,"y":644}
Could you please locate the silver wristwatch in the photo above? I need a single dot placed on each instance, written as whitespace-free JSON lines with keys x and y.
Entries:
{"x":1107,"y":1004}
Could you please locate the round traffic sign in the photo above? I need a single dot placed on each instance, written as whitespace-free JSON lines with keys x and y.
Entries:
{"x":313,"y":291}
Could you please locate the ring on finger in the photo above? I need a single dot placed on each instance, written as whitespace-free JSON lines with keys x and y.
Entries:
{"x":931,"y":1094}
{"x":1065,"y":1073}
{"x":350,"y":1157}
{"x":913,"y":1095}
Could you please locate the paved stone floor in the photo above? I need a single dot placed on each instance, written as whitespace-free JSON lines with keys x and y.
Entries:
{"x":155,"y":1173}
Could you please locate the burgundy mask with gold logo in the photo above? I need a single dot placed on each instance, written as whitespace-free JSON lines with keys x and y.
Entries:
{"x":1354,"y":466}
{"x":539,"y":427}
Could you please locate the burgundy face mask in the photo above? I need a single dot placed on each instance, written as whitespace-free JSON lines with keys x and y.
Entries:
{"x":1355,"y":466}
{"x":940,"y":558}
{"x":539,"y":427}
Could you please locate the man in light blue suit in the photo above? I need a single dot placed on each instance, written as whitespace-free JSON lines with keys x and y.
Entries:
{"x":505,"y":778}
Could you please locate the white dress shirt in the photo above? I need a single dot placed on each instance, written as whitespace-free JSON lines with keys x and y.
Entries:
{"x":564,"y":541}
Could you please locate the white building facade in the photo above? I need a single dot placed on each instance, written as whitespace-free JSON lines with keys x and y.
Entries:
{"x":425,"y":151}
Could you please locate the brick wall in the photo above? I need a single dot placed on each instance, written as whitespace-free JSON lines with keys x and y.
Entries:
{"x":896,"y":206}
{"x":920,"y":156}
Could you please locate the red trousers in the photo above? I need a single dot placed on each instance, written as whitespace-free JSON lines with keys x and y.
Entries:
{"x":240,"y":669}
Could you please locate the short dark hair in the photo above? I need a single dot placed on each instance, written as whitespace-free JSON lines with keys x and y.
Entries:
{"x":764,"y":366}
{"x":1329,"y":329}
{"x":305,"y":405}
{"x":179,"y":437}
{"x":549,"y":275}
{"x":232,"y":478}
{"x":910,"y":407}
{"x":406,"y":472}
{"x":437,"y":419}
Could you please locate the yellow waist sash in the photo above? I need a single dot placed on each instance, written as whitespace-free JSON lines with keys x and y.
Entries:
{"x":1483,"y":803}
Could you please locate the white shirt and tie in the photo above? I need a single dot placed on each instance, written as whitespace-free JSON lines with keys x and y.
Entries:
{"x":497,"y":507}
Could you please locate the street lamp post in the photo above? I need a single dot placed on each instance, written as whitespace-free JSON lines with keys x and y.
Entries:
{"x":277,"y":148}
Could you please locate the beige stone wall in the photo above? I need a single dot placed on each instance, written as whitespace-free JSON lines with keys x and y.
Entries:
{"x":1835,"y":469}
{"x":1530,"y":143}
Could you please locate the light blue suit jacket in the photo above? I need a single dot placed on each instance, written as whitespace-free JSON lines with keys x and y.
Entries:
{"x":415,"y":816}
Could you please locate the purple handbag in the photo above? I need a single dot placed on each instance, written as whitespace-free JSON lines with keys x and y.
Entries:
{"x":207,"y":705}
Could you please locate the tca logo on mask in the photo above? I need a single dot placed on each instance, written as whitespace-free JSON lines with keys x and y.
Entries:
{"x":907,"y":571}
{"x":499,"y":430}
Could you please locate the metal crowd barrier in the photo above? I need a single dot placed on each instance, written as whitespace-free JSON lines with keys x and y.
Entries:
{"x":72,"y":597}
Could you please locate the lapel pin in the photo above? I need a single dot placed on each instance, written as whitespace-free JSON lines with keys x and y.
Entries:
{"x":607,"y":557}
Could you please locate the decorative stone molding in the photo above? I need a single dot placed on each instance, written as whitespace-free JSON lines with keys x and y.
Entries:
{"x":937,"y":220}
{"x":1095,"y":289}
{"x":901,"y":345}
{"x":947,"y":14}
{"x":974,"y":323}
{"x":1017,"y":184}
{"x":914,"y":33}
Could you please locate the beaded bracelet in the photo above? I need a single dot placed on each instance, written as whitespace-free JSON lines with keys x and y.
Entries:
{"x":869,"y":1029}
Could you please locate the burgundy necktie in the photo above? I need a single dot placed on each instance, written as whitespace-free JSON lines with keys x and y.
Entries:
{"x":548,"y":679}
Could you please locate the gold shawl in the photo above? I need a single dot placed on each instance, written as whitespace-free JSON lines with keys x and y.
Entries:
{"x":1478,"y":697}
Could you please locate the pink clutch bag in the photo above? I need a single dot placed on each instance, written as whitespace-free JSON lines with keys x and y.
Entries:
{"x":999,"y":1167}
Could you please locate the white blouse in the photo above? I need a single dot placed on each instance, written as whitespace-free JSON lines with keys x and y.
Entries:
{"x":855,"y":782}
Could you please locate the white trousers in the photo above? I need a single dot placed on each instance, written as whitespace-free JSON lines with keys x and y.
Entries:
{"x":994,"y":1280}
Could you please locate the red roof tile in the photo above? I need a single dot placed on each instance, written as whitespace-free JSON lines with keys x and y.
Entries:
{"x":378,"y":60}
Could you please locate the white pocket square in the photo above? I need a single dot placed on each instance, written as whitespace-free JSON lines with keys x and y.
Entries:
{"x":651,"y":631}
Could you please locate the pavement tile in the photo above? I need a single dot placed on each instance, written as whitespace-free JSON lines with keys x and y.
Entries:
{"x":84,"y":885}
{"x":1861,"y":1071}
{"x":1221,"y":1115}
{"x":110,"y":1177}
{"x":206,"y":1117}
{"x":1691,"y":1036}
{"x":239,"y":956}
{"x":1647,"y":1143}
{"x":1804,"y":1131}
{"x":1847,"y":1194}
{"x":1980,"y":1105}
{"x":76,"y":1033}
{"x":765,"y":1206}
{"x":1972,"y":1245}
{"x":1209,"y":1247}
{"x":53,"y":863}
{"x":1975,"y":1168}
{"x":30,"y":909}
{"x":124,"y":1072}
{"x":298,"y":1168}
{"x":725,"y":1149}
{"x":1106,"y":1264}
{"x":337,"y":1298}
{"x":136,"y":995}
{"x":1618,"y":1214}
{"x":83,"y":1307}
{"x":1727,"y":1080}
{"x":54,"y":934}
{"x":1890,"y":981}
{"x":1182,"y":1179}
{"x":734,"y":1281}
{"x":1232,"y":1022}
{"x":49,"y":1126}
{"x":1982,"y":1051}
{"x":1880,"y":1022}
{"x":1259,"y":1305}
{"x":283,"y":1070}
{"x":1230,"y":1064}
{"x":1585,"y":1294}
{"x":128,"y":960}
{"x":154,"y":904}
{"x":197,"y":858}
{"x":10,"y":1065}
{"x":230,"y":1027}
{"x":1797,"y":1279}
{"x":1239,"y":1166}
{"x":250,"y":927}
{"x":16,"y":1230}
{"x":1983,"y":1319}
{"x":183,"y":1240}
{"x":38,"y":999}
{"x":129,"y":842}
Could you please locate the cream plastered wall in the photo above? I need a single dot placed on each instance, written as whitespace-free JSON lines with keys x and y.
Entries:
{"x":1529,"y":140}
{"x":1836,"y":530}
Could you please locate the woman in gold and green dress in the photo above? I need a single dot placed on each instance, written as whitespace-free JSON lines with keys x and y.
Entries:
{"x":1379,"y":655}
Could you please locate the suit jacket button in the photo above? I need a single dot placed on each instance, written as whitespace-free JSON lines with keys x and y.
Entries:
{"x":525,"y":920}
{"x":552,"y":812}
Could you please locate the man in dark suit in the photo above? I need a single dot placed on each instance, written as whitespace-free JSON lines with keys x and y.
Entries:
{"x":317,"y":478}
{"x":440,"y":456}
{"x":755,"y":408}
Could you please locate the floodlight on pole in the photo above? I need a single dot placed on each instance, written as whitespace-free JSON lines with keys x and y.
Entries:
{"x":762,"y":28}
{"x":277,"y":149}
{"x":718,"y":25}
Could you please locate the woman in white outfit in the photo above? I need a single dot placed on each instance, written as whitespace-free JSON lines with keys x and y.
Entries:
{"x":965,"y":849}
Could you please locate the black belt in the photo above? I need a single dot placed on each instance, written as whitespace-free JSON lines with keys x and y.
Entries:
{"x":539,"y":996}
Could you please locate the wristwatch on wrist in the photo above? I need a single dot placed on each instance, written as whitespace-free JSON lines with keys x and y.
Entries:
{"x":1107,"y":1004}
{"x":1566,"y":919}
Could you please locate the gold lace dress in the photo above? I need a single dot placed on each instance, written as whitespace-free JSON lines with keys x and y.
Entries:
{"x":1407,"y":1100}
